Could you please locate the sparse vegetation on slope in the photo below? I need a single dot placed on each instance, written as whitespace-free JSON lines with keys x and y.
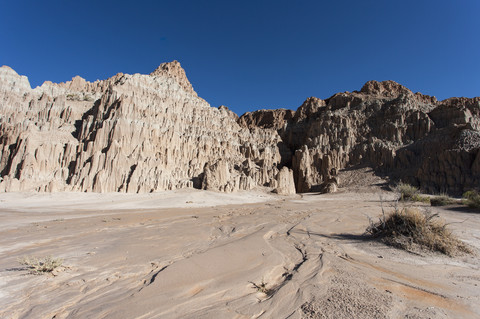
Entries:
{"x":408,"y":228}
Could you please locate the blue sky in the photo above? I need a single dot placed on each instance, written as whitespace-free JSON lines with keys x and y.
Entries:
{"x":250,"y":55}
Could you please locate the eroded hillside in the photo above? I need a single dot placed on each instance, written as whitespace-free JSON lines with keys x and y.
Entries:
{"x":146,"y":133}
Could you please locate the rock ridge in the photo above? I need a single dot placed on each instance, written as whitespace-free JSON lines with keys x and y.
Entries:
{"x":147,"y":133}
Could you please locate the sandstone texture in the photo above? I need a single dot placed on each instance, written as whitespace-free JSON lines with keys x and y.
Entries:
{"x":286,"y":184}
{"x":401,"y":135}
{"x":145,"y":133}
{"x":130,"y":133}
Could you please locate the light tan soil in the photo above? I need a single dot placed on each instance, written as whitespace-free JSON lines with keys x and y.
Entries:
{"x":125,"y":258}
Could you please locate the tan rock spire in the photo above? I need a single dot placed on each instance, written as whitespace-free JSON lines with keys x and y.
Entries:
{"x":175,"y":71}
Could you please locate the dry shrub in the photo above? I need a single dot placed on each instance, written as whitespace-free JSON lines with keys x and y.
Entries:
{"x":420,"y":198}
{"x":40,"y":266}
{"x":262,"y":287}
{"x":408,"y":192}
{"x":472,"y":199}
{"x":442,"y":200}
{"x":410,"y":229}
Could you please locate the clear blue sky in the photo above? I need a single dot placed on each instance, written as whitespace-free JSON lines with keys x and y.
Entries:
{"x":250,"y":55}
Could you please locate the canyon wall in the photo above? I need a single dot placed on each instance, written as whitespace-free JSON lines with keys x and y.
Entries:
{"x":404,"y":136}
{"x":146,"y":133}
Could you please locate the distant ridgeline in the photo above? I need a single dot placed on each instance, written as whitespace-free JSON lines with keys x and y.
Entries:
{"x":147,"y":133}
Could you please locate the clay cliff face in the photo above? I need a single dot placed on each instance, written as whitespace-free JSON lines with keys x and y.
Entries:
{"x":145,"y":133}
{"x":405,"y":136}
{"x":130,"y":133}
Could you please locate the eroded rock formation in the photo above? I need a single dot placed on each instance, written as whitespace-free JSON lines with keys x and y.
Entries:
{"x":130,"y":133}
{"x":406,"y":136}
{"x":145,"y":133}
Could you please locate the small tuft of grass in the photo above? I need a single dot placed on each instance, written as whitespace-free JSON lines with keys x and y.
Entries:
{"x":73,"y":97}
{"x":262,"y":287}
{"x":421,"y":199}
{"x":406,"y":191}
{"x":472,"y":199}
{"x":87,"y":98}
{"x":411,"y":193}
{"x":43,"y":265}
{"x":408,"y":228}
{"x":442,"y":200}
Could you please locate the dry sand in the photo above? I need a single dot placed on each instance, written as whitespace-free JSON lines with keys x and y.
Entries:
{"x":193,"y":254}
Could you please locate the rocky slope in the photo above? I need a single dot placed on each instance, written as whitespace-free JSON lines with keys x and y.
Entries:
{"x":405,"y":136}
{"x":130,"y":133}
{"x":146,"y":133}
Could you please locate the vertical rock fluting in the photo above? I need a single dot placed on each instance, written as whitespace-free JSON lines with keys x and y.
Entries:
{"x":130,"y":133}
{"x":406,"y":136}
{"x":146,"y":133}
{"x":285,"y":182}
